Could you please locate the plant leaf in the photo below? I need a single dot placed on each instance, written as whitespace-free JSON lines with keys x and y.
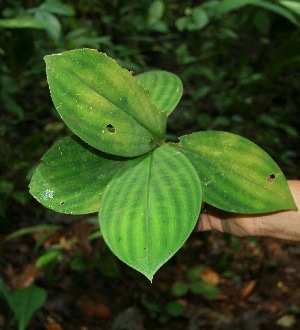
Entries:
{"x":291,"y":5}
{"x":236,"y":174}
{"x":58,"y":8}
{"x":150,"y":208}
{"x":4,"y":293}
{"x":104,"y":104}
{"x":22,"y":22}
{"x":274,"y":7}
{"x":72,"y":176}
{"x":165,"y":88}
{"x":155,"y":12}
{"x":48,"y":257}
{"x":25,"y":302}
{"x":52,"y":24}
{"x":225,"y":6}
{"x":206,"y":289}
{"x":32,"y":229}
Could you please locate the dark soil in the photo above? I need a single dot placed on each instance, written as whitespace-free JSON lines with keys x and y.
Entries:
{"x":258,"y":279}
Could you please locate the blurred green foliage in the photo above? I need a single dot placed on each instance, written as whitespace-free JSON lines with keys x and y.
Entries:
{"x":239,"y":61}
{"x":23,"y":302}
{"x":196,"y":285}
{"x":163,"y":313}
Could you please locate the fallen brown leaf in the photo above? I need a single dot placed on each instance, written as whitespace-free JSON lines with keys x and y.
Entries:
{"x":247,"y":289}
{"x":210,"y":276}
{"x":2,"y":320}
{"x":282,"y":287}
{"x":94,"y":307}
{"x":25,"y":277}
{"x":52,"y":324}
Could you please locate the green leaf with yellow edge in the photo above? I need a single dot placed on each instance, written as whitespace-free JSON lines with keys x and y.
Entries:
{"x":150,"y":208}
{"x":165,"y":88}
{"x":236,"y":174}
{"x":72,"y":176}
{"x":103,"y":103}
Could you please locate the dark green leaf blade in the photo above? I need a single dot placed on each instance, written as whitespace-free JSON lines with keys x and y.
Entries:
{"x":165,"y":88}
{"x":226,"y":6}
{"x":58,"y":8}
{"x":104,"y":104}
{"x":236,"y":174}
{"x":72,"y":176}
{"x":150,"y":208}
{"x":274,"y":7}
{"x":4,"y":292}
{"x":25,"y":302}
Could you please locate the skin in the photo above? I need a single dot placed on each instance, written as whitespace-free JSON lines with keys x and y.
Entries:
{"x":282,"y":225}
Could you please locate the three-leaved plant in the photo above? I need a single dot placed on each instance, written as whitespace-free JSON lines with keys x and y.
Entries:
{"x":148,"y":192}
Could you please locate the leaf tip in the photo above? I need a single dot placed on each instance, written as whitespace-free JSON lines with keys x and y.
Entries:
{"x":149,"y":277}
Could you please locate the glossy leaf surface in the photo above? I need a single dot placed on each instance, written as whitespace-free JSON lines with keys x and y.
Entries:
{"x":104,"y":104}
{"x":236,"y":174}
{"x":72,"y":176}
{"x":165,"y":88}
{"x":150,"y":208}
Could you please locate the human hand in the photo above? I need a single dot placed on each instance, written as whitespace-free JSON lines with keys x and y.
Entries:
{"x":283,"y":225}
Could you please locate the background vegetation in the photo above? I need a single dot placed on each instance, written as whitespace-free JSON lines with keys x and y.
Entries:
{"x":239,"y":62}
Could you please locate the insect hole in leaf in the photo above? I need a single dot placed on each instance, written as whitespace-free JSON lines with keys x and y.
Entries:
{"x":111,"y":129}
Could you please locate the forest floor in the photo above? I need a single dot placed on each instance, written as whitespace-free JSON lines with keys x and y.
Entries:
{"x":258,"y":279}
